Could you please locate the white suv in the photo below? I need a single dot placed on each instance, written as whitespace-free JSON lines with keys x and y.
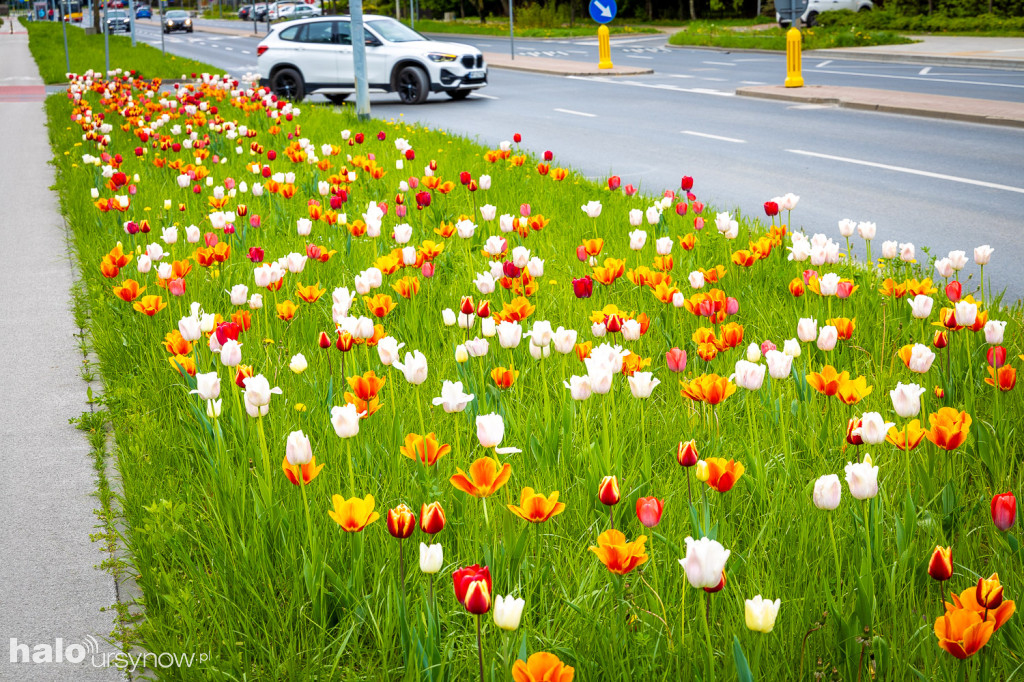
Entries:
{"x":816,"y":7}
{"x":315,"y":56}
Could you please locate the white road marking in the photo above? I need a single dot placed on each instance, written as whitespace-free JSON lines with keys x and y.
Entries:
{"x":483,"y":96}
{"x":576,"y":113}
{"x":824,"y":63}
{"x":924,"y":71}
{"x":720,"y":63}
{"x":708,"y":78}
{"x":713,"y":137}
{"x":229,"y":49}
{"x":928,"y":80}
{"x":654,"y":86}
{"x":753,"y":83}
{"x":911,"y":171}
{"x":638,"y":56}
{"x":246,"y":52}
{"x":678,"y":75}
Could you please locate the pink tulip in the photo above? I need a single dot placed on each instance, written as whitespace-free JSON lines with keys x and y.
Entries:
{"x":676,"y":360}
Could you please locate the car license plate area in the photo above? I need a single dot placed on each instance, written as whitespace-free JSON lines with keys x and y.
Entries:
{"x":476,"y":75}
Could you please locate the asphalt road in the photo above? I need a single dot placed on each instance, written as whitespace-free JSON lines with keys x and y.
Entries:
{"x":943,"y":184}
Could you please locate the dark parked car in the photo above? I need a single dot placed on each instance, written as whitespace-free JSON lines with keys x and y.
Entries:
{"x":177,"y":20}
{"x":245,"y":12}
{"x":261,"y":12}
{"x":143,"y":12}
{"x":117,"y":20}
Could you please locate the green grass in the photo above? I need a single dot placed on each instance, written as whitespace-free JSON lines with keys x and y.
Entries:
{"x":498,"y":28}
{"x":712,"y":34}
{"x":87,"y":52}
{"x":231,"y":565}
{"x":986,"y":25}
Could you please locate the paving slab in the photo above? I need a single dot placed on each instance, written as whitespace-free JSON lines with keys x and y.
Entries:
{"x":895,"y":102}
{"x":981,"y":51}
{"x":51,"y":591}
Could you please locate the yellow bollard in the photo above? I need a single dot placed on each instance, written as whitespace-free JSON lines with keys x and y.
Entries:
{"x":794,"y":78}
{"x":604,"y":48}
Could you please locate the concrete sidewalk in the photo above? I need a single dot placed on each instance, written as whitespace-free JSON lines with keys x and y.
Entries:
{"x":895,"y":102}
{"x":994,"y":52}
{"x":51,"y":593}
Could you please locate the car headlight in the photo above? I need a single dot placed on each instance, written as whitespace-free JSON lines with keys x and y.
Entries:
{"x":441,"y":57}
{"x":188,"y":22}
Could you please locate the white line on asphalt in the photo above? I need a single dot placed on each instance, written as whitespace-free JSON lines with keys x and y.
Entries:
{"x":712,"y":137}
{"x":929,"y":80}
{"x":678,"y":75}
{"x":637,"y":56}
{"x":654,"y":86}
{"x":824,"y":63}
{"x":246,"y":52}
{"x":924,"y":71}
{"x":483,"y":96}
{"x":229,"y":49}
{"x":753,"y":83}
{"x":708,"y":78}
{"x":911,"y":171}
{"x":576,"y":113}
{"x":720,"y":63}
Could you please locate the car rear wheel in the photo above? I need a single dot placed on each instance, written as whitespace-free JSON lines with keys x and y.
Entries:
{"x":812,"y":19}
{"x":413,"y":86}
{"x":287,"y":84}
{"x":458,"y":95}
{"x":337,"y":99}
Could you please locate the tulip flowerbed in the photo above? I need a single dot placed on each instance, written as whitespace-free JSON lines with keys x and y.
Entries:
{"x":390,"y":405}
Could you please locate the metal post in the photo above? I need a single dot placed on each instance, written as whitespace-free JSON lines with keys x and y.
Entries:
{"x":355,"y":10}
{"x":106,"y":38}
{"x":131,"y":18}
{"x":511,"y":29}
{"x":255,"y":26}
{"x":412,"y":15}
{"x":161,"y":26}
{"x":64,"y":28}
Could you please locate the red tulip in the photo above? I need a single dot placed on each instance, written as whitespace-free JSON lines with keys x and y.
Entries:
{"x":630,"y":190}
{"x":648,"y":510}
{"x":473,"y":588}
{"x":771,"y":209}
{"x":510,"y":269}
{"x":954,"y":291}
{"x":548,"y":155}
{"x":581,"y":253}
{"x":432,"y":518}
{"x":467,"y":307}
{"x":422,"y":200}
{"x":382,"y":136}
{"x":583,"y":287}
{"x":359,"y":138}
{"x":996,"y":356}
{"x":1004,"y":510}
{"x":608,"y":491}
{"x":614,"y":182}
{"x":517,"y":138}
{"x":681,"y":208}
{"x":940,"y":567}
{"x":686,"y":183}
{"x":324,"y":341}
{"x":698,"y":207}
{"x":676,"y":360}
{"x":271,"y":155}
{"x":686,"y":453}
{"x":256,"y":254}
{"x":940,"y":340}
{"x":465,"y":177}
{"x":427,"y":270}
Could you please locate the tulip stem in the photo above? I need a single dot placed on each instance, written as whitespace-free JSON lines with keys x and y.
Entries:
{"x":351,"y":473}
{"x":266,"y":461}
{"x":401,"y":571}
{"x":707,"y":636}
{"x":835,"y":555}
{"x":480,"y":648}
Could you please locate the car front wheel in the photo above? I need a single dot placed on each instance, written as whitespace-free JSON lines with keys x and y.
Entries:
{"x":287,"y":84}
{"x":413,"y":86}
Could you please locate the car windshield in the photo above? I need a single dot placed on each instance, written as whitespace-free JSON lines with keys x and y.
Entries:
{"x":394,"y":32}
{"x":177,"y":14}
{"x":116,"y":14}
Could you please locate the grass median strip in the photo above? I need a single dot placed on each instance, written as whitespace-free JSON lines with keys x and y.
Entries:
{"x":711,"y":34}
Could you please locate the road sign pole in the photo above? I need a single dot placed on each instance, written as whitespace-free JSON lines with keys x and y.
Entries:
{"x":512,"y":29}
{"x":131,"y":18}
{"x":604,"y":48}
{"x":106,"y":39}
{"x":161,"y":25}
{"x":794,"y":77}
{"x":355,"y":10}
{"x":64,"y":28}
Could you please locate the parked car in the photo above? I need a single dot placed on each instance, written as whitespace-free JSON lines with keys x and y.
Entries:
{"x":261,"y":11}
{"x":315,"y":56}
{"x":274,"y":13}
{"x":303,"y":11}
{"x":143,"y":12}
{"x":177,"y":20}
{"x":118,"y":20}
{"x":245,"y":12}
{"x":816,"y":7}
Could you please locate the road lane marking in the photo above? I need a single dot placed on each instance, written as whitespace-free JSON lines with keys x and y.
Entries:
{"x":576,"y":113}
{"x":824,"y":63}
{"x":678,"y":75}
{"x":924,"y":71}
{"x":246,"y":52}
{"x":720,"y":63}
{"x":637,"y":56}
{"x":654,"y":86}
{"x":713,"y":137}
{"x":483,"y":96}
{"x":910,"y":171}
{"x":927,"y":80}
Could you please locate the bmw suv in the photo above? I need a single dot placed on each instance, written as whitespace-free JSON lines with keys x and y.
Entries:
{"x":315,"y":56}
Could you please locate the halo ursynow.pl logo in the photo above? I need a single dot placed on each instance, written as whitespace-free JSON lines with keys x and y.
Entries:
{"x":57,"y":652}
{"x":75,"y":653}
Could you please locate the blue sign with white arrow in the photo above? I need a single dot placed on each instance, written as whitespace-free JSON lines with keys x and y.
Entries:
{"x":602,"y":11}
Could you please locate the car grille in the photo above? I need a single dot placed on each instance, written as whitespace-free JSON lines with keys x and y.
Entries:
{"x":469,"y":61}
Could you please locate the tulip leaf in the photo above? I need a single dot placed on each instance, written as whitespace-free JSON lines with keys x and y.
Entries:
{"x":742,"y":668}
{"x":865,"y":594}
{"x":522,"y":649}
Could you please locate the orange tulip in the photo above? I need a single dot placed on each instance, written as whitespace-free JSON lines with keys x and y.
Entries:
{"x":311,"y":293}
{"x":307,"y":471}
{"x":796,"y":287}
{"x":853,"y":391}
{"x":989,"y":593}
{"x":542,"y":667}
{"x":722,"y":475}
{"x":484,"y":477}
{"x":708,"y":388}
{"x":616,"y":554}
{"x":968,"y":600}
{"x":175,"y":344}
{"x":504,"y":378}
{"x":184,"y":364}
{"x":536,"y":508}
{"x":827,"y":381}
{"x":1007,"y":377}
{"x":731,"y":335}
{"x":366,"y":386}
{"x":379,"y":305}
{"x":353,"y":514}
{"x":424,"y":449}
{"x":150,"y":305}
{"x":407,"y":286}
{"x":286,"y":310}
{"x":963,"y":632}
{"x":593,"y":246}
{"x":907,"y":438}
{"x":949,"y":428}
{"x":129,"y":290}
{"x":844,"y":326}
{"x":633,"y":363}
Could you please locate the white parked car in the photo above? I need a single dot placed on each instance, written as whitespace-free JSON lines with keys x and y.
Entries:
{"x":816,"y":7}
{"x":302,"y":11}
{"x":275,"y":11}
{"x":315,"y":56}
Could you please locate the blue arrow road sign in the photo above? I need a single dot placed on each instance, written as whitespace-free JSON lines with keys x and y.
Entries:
{"x":602,"y":11}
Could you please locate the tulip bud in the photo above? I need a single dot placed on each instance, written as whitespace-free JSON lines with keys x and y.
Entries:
{"x":796,"y":287}
{"x":461,"y":353}
{"x":989,"y":592}
{"x":608,"y":491}
{"x":431,"y":558}
{"x":702,"y":473}
{"x":996,"y":356}
{"x":432,"y":518}
{"x":1004,"y":510}
{"x":401,"y":521}
{"x":649,"y":510}
{"x":941,"y":565}
{"x":508,"y":612}
{"x":940,"y":341}
{"x":760,"y":614}
{"x":324,"y":341}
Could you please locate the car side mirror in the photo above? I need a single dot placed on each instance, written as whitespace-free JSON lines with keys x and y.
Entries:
{"x":372,"y":41}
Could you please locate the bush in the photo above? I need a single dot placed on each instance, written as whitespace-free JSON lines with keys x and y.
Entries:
{"x":889,"y":19}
